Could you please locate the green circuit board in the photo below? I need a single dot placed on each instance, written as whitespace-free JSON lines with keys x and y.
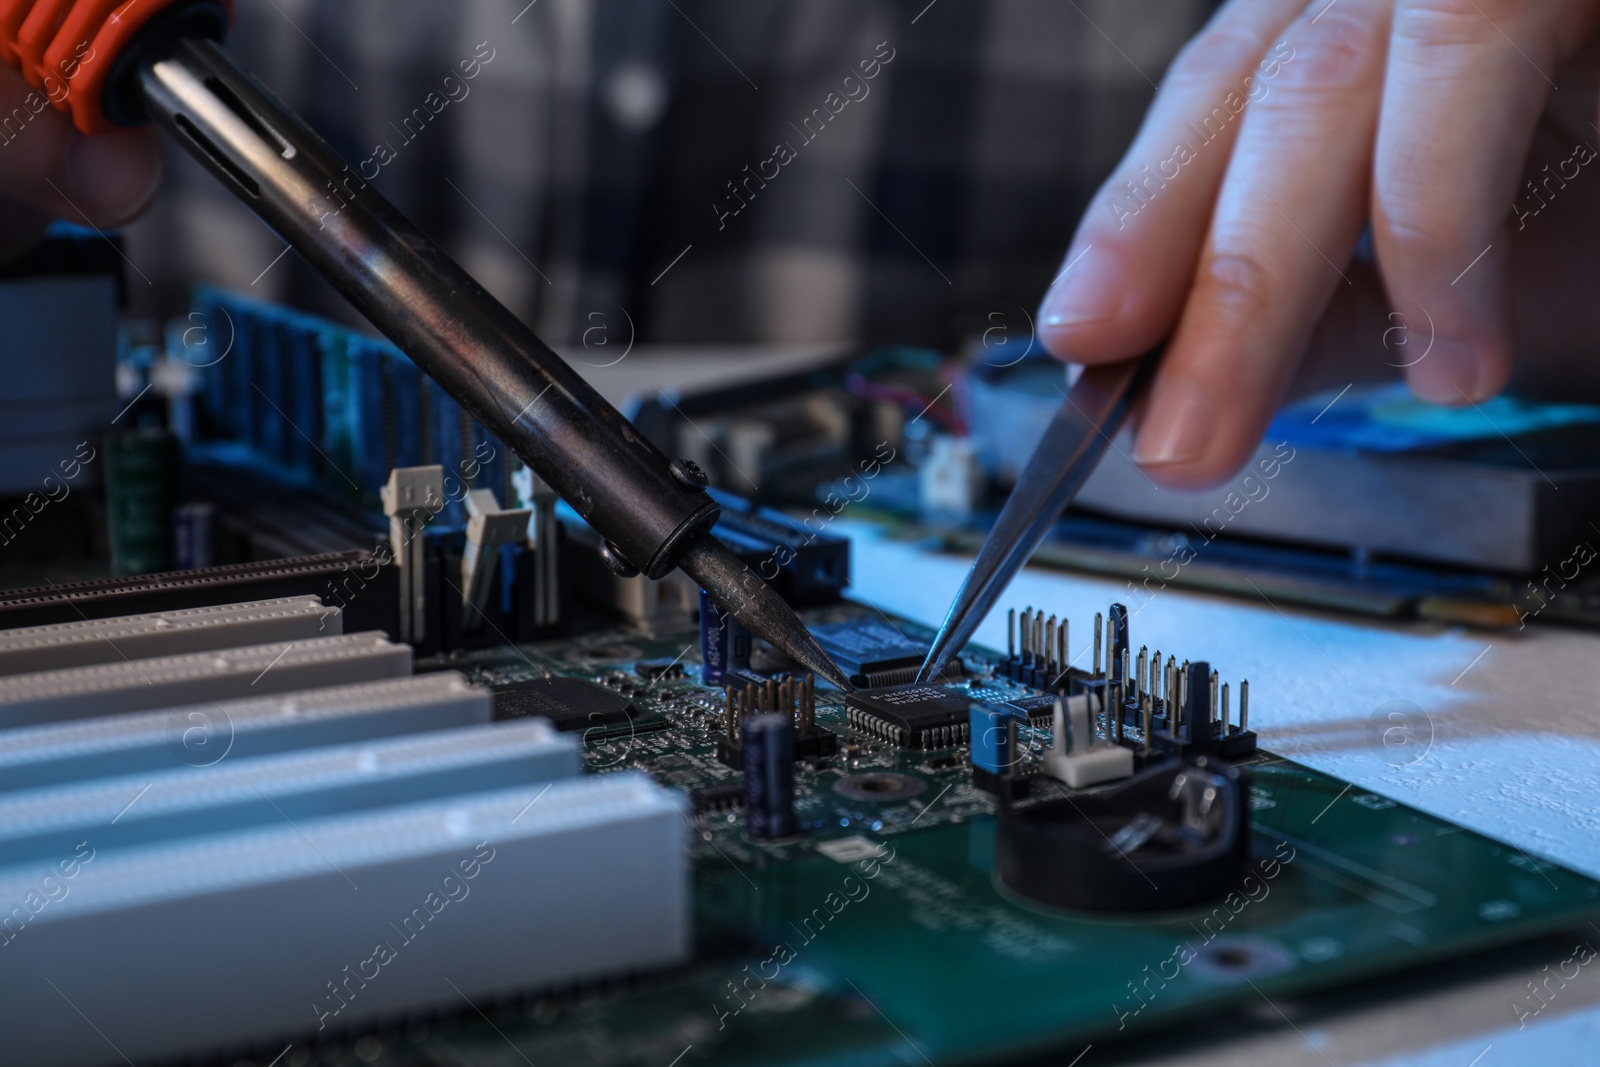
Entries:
{"x":882,"y":934}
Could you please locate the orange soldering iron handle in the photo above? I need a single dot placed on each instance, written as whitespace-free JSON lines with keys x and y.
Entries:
{"x":66,"y":49}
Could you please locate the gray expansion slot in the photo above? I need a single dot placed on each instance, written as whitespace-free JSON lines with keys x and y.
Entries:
{"x":287,"y":933}
{"x":165,"y":633}
{"x":38,"y":825}
{"x":167,"y":681}
{"x":202,"y":735}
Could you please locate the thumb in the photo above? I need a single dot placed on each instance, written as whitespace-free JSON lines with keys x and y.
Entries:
{"x":48,"y":166}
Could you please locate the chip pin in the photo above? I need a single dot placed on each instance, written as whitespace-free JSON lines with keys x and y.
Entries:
{"x":1174,"y":695}
{"x":1244,"y":705}
{"x":1050,"y":646}
{"x":1111,"y":643}
{"x":1011,"y":633}
{"x":1061,"y":651}
{"x":1114,"y":712}
{"x":1213,"y":703}
{"x":1040,"y":649}
{"x":1224,"y":719}
{"x":1099,"y":625}
{"x":1027,"y":636}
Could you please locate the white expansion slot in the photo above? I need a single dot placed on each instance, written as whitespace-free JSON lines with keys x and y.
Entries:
{"x":288,"y":933}
{"x":165,"y":633}
{"x":37,"y":825}
{"x":167,"y":681}
{"x":202,"y":735}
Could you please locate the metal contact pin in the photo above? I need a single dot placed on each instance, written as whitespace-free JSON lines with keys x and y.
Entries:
{"x":1061,"y":651}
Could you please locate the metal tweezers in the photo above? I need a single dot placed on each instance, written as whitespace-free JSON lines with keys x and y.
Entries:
{"x":1078,"y":435}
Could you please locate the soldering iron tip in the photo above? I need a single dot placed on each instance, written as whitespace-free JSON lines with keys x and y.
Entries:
{"x":753,"y":602}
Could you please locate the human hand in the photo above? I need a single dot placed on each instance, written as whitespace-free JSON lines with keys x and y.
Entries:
{"x":50,"y":170}
{"x":1278,"y":136}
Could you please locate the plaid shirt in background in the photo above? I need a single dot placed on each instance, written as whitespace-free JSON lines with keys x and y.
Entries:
{"x":712,"y":170}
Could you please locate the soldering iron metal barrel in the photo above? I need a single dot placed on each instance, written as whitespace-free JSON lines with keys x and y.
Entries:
{"x":467,"y":341}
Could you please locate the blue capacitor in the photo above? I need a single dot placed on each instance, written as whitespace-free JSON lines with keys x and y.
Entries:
{"x":767,"y":742}
{"x":993,"y":731}
{"x":724,"y":642}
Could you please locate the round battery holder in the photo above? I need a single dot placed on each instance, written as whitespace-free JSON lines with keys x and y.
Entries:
{"x":1171,"y":837}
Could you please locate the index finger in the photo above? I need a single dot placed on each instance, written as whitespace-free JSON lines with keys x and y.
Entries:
{"x":1129,"y":267}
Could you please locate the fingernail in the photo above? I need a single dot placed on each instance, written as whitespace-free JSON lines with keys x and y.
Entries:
{"x":112,"y":176}
{"x":1448,"y":374}
{"x":1092,"y":287}
{"x":1178,"y":425}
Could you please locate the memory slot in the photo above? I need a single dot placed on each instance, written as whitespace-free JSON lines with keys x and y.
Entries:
{"x":289,"y":933}
{"x":165,"y":633}
{"x":167,"y":681}
{"x":202,"y":735}
{"x":41,"y":824}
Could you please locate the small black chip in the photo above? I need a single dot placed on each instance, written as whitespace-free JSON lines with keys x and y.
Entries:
{"x":874,"y":653}
{"x":654,"y":670}
{"x":717,"y":797}
{"x":571,"y":703}
{"x":911,"y":716}
{"x":1040,"y":708}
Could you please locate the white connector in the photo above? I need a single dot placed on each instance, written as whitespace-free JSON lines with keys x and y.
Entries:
{"x":411,"y":498}
{"x":488,"y":527}
{"x":1077,"y":757}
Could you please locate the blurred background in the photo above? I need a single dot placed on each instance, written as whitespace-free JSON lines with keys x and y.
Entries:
{"x":605,"y":137}
{"x":786,"y":240}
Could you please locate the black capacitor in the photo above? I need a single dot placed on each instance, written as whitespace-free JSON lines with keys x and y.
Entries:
{"x":1197,"y":704}
{"x":768,"y":744}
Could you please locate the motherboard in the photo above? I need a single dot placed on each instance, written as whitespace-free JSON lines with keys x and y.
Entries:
{"x":433,"y":786}
{"x":882,"y":931}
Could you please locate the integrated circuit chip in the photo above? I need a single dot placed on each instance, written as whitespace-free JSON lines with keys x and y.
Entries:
{"x":911,"y":716}
{"x":573,"y":704}
{"x":876,"y":654}
{"x":1040,"y":708}
{"x":718,"y":797}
